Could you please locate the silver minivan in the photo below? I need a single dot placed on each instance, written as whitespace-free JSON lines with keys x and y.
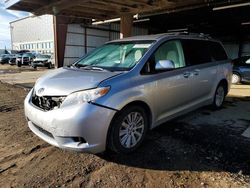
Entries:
{"x":111,"y":97}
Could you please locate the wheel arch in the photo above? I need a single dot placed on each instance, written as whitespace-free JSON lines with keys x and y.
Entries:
{"x":224,"y":82}
{"x":237,"y":72}
{"x":142,"y":104}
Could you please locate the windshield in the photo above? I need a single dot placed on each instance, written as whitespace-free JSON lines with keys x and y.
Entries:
{"x":116,"y":56}
{"x":28,"y":55}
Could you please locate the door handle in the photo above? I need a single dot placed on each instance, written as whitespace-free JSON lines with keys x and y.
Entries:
{"x":186,"y":74}
{"x":196,"y":72}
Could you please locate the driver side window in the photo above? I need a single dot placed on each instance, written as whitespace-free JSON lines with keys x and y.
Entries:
{"x":171,"y":50}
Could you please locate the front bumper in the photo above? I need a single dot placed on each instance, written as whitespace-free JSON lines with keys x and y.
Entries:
{"x":40,"y":63}
{"x":61,"y":126}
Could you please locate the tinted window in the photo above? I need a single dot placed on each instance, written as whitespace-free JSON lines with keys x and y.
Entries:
{"x":217,"y":51}
{"x":242,"y":60}
{"x":196,"y":52}
{"x":248,"y":60}
{"x":199,"y":51}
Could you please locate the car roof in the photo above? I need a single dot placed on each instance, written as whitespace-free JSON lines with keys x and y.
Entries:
{"x":157,"y":37}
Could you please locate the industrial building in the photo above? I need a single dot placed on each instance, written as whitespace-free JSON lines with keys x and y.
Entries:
{"x":80,"y":26}
{"x":34,"y":33}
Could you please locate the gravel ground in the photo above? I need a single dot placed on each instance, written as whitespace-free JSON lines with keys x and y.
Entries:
{"x":201,"y":149}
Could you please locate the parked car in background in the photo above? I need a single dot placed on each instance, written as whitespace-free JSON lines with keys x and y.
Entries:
{"x":41,"y":61}
{"x":25,"y":59}
{"x":12,"y":60}
{"x":52,"y":60}
{"x":4,"y":58}
{"x":112,"y":96}
{"x":241,"y":70}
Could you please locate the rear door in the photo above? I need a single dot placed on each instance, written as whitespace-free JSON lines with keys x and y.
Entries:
{"x":203,"y":57}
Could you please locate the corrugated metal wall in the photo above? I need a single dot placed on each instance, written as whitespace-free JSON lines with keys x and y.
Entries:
{"x":115,"y":31}
{"x":81,"y":40}
{"x":232,"y":49}
{"x":75,"y":43}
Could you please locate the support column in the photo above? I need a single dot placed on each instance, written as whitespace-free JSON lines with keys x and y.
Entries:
{"x":60,"y":34}
{"x":126,"y":26}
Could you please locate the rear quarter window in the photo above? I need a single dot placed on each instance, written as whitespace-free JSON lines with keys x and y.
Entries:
{"x":202,"y":51}
{"x":217,"y":51}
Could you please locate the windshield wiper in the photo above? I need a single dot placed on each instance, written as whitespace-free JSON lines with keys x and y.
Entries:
{"x":92,"y":68}
{"x":89,"y":67}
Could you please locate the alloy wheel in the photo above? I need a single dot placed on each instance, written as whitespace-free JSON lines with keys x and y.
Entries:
{"x":131,"y":130}
{"x":219,"y":96}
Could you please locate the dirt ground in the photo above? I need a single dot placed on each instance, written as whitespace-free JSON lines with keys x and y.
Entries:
{"x":201,"y":149}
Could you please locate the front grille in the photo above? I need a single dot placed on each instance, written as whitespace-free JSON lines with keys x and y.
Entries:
{"x":47,"y":102}
{"x":43,"y":131}
{"x":25,"y":59}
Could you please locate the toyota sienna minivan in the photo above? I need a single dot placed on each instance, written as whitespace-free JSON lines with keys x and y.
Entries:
{"x":111,"y":97}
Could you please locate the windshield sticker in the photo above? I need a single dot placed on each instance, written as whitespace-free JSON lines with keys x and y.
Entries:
{"x":141,"y":46}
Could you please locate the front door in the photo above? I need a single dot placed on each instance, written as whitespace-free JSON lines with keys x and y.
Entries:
{"x":172,"y":87}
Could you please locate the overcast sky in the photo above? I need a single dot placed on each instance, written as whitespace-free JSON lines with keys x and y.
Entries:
{"x":7,"y":16}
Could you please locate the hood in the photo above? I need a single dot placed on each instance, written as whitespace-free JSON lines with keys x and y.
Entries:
{"x":63,"y":81}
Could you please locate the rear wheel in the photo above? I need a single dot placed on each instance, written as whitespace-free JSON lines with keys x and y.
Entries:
{"x":219,"y":96}
{"x":236,"y":78}
{"x":128,"y":130}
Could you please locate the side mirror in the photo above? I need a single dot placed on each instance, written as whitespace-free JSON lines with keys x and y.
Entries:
{"x":164,"y":65}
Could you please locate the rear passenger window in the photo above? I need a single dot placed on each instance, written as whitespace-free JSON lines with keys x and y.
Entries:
{"x":201,"y":51}
{"x":196,"y":52}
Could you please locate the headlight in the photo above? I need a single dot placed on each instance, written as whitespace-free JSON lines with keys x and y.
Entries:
{"x":85,"y":96}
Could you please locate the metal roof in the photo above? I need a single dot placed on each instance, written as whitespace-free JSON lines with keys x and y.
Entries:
{"x":107,"y":9}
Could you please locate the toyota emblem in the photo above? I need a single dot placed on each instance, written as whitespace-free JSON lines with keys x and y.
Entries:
{"x":40,"y":91}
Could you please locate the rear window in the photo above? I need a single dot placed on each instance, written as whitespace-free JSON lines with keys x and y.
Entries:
{"x":199,"y":51}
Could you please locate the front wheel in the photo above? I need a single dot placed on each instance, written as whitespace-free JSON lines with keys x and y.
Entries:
{"x":219,"y":96}
{"x":128,"y":130}
{"x":19,"y":64}
{"x":49,"y":66}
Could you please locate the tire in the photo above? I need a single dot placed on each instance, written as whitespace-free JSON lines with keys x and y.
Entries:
{"x":219,"y":96}
{"x":19,"y":64}
{"x":122,"y":134}
{"x":236,"y":79}
{"x":49,"y":66}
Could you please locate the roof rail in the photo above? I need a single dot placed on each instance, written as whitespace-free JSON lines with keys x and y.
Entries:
{"x":202,"y":35}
